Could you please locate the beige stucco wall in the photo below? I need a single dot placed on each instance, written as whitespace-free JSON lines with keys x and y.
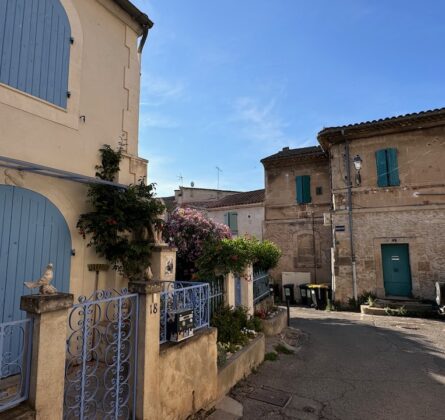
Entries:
{"x":188,"y":375}
{"x":250,"y":219}
{"x":104,"y":77}
{"x":294,"y":226}
{"x":392,"y":214}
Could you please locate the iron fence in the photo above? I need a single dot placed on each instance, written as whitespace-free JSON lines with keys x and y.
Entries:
{"x":182,"y":295}
{"x":15,"y":362}
{"x":216,"y":286}
{"x":261,"y":288}
{"x":100,"y":372}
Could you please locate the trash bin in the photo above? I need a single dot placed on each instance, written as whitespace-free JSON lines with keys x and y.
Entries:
{"x":305,"y":295}
{"x":319,"y":295}
{"x":291,"y":294}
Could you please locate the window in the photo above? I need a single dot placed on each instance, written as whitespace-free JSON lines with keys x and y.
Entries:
{"x":303,"y":184}
{"x":319,"y":190}
{"x":387,"y":167}
{"x":35,"y":40}
{"x":231,"y":220}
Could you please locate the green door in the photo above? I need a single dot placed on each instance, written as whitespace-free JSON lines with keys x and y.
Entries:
{"x":396,"y":271}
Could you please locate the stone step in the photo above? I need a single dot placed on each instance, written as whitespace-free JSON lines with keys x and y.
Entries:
{"x":410,"y":305}
{"x":227,"y":409}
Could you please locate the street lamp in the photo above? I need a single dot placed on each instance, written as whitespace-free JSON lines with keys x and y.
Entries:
{"x":358,"y":165}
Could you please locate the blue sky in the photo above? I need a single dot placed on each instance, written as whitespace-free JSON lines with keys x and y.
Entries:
{"x":226,"y":83}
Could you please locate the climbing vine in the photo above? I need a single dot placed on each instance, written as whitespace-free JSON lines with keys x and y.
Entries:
{"x":120,"y":224}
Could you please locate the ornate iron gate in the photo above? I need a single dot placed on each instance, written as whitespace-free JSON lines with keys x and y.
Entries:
{"x":100,"y":373}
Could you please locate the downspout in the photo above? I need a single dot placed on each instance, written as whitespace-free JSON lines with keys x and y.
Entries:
{"x":314,"y":248}
{"x":351,"y":241}
{"x":331,"y":211}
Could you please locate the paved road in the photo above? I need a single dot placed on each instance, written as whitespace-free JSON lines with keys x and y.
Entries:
{"x":353,"y":366}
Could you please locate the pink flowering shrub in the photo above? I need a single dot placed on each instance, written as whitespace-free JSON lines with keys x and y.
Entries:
{"x":188,"y":230}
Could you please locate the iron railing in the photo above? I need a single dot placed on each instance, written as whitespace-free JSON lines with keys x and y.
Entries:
{"x":180,"y":295}
{"x":15,"y":362}
{"x":216,"y":294}
{"x":101,"y":368}
{"x":261,"y":288}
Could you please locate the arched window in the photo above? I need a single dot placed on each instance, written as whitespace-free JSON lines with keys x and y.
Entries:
{"x":35,"y":39}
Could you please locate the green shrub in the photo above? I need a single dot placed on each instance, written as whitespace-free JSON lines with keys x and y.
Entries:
{"x":229,"y":323}
{"x":221,"y":355}
{"x":267,"y":255}
{"x":271,"y":356}
{"x":254,"y":324}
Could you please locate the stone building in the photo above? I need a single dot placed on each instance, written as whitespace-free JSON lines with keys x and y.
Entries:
{"x":388,"y":214}
{"x":69,"y":83}
{"x":297,"y":197}
{"x":242,"y":212}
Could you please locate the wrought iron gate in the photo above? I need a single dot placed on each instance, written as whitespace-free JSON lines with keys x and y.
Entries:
{"x":100,"y":373}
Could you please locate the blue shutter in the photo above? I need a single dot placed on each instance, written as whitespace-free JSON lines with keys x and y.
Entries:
{"x":233,"y":217}
{"x":306,"y":179}
{"x":303,"y":184}
{"x":393,"y":167}
{"x":382,"y":168}
{"x":299,"y":186}
{"x":226,"y":219}
{"x":34,"y":48}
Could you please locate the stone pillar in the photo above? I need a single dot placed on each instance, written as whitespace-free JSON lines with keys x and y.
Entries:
{"x":147,"y":398}
{"x":50,"y":320}
{"x":163,"y":262}
{"x":247,"y":290}
{"x":229,"y":290}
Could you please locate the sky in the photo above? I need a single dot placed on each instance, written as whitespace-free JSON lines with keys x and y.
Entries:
{"x":226,"y":83}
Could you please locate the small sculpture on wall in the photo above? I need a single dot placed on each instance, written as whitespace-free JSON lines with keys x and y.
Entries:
{"x":169,"y":266}
{"x":157,"y":227}
{"x":43,"y":283}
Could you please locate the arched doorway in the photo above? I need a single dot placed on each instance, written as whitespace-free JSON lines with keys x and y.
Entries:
{"x":33,"y":233}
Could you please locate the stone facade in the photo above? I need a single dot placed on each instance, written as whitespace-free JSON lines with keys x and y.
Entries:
{"x":298,"y":229}
{"x":412,"y":213}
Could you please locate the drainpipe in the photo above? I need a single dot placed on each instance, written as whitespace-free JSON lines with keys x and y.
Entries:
{"x":314,"y":248}
{"x":351,"y":241}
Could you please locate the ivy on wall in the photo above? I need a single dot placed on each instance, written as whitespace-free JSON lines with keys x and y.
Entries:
{"x":120,"y":223}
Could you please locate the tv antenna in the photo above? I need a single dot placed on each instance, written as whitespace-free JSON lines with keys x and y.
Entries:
{"x":181,"y":180}
{"x":218,"y":171}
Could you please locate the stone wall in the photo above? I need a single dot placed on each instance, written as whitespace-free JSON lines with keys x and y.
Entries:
{"x":412,"y":213}
{"x":298,"y":229}
{"x":422,"y":229}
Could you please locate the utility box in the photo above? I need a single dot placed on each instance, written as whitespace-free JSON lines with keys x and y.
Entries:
{"x":180,"y":325}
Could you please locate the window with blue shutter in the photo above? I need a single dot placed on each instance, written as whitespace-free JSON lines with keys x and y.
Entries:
{"x":35,"y":40}
{"x":231,"y":220}
{"x":303,"y":185}
{"x":387,"y":168}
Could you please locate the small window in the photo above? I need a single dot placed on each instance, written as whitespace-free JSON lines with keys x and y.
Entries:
{"x":303,"y":184}
{"x":387,"y":168}
{"x":231,"y":220}
{"x":319,"y":190}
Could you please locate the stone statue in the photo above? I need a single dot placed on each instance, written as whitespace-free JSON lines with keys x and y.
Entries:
{"x":43,"y":283}
{"x":148,"y":275}
{"x":157,"y":227}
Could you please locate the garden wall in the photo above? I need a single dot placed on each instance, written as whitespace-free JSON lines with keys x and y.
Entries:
{"x":241,"y":365}
{"x":188,"y":375}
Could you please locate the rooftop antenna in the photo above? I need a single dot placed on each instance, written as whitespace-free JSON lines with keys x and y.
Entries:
{"x":181,"y":180}
{"x":218,"y":171}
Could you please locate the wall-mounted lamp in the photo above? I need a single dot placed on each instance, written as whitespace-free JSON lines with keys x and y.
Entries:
{"x":358,"y":165}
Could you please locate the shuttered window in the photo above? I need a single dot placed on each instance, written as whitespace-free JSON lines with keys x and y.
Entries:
{"x":35,"y":40}
{"x":387,"y":167}
{"x":231,"y":220}
{"x":303,"y":185}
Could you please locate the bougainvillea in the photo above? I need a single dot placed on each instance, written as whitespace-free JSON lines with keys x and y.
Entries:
{"x":188,"y":230}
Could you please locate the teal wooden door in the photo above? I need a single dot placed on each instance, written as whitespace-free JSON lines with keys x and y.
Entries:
{"x":396,"y":270}
{"x":33,"y":233}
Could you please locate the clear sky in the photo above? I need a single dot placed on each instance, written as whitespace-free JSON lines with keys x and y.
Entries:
{"x":228,"y":82}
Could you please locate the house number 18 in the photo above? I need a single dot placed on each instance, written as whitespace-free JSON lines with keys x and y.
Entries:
{"x":153,"y":308}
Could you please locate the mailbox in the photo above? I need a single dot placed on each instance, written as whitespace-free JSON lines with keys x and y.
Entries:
{"x":180,"y":325}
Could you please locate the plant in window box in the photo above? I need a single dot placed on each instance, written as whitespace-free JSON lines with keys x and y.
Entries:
{"x":120,"y":223}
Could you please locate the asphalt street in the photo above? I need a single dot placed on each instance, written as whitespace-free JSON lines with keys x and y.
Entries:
{"x":353,"y":366}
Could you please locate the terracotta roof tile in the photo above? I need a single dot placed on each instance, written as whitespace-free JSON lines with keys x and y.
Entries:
{"x":249,"y":197}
